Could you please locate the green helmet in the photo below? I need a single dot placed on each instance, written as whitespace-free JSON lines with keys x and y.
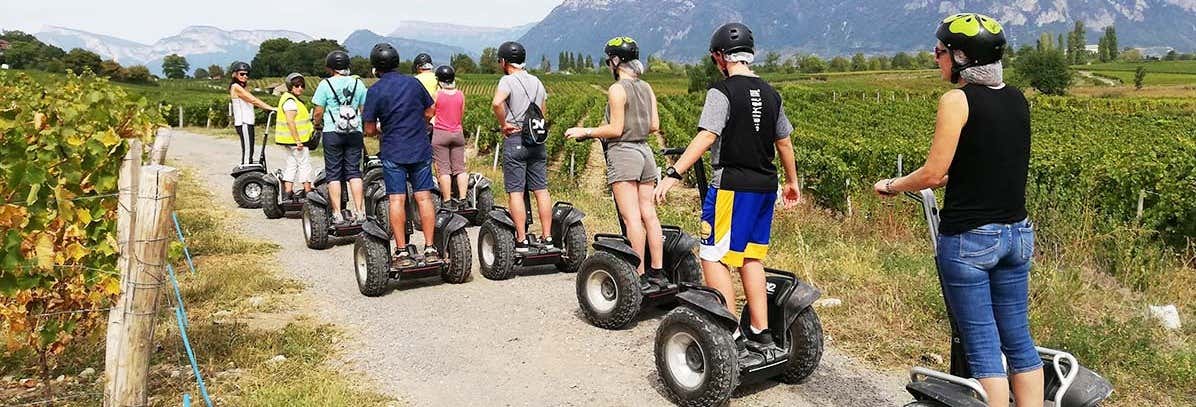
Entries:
{"x":980,"y":37}
{"x":623,"y":47}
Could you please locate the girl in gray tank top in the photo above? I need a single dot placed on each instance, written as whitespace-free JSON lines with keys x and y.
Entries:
{"x":631,"y":116}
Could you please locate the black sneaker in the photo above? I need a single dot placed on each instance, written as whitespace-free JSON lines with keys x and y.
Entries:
{"x":746,"y":356}
{"x":403,"y":259}
{"x":451,"y":205}
{"x":645,"y":284}
{"x":522,"y":246}
{"x":288,"y":196}
{"x":656,"y":276}
{"x":431,"y":256}
{"x":762,"y":344}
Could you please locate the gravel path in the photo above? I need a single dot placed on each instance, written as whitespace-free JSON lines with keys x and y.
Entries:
{"x":516,"y":342}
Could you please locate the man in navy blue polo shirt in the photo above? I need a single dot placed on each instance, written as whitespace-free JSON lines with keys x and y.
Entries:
{"x":403,"y":108}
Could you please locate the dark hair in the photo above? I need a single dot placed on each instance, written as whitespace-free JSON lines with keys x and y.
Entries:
{"x":299,"y":81}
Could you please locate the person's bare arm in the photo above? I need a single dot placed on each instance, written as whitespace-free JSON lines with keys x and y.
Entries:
{"x":317,"y":118}
{"x":245,"y":95}
{"x":951,"y":117}
{"x":696,"y":148}
{"x":429,"y":113}
{"x":654,"y":128}
{"x":617,"y":100}
{"x":791,"y":194}
{"x":498,"y":105}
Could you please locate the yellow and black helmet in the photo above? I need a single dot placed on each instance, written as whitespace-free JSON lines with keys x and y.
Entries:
{"x":623,"y":47}
{"x":980,"y":37}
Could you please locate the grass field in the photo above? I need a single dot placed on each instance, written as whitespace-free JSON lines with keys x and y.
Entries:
{"x":1179,"y":67}
{"x":1152,"y":78}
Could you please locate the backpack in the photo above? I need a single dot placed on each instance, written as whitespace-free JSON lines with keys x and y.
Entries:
{"x":345,"y":116}
{"x":535,"y":127}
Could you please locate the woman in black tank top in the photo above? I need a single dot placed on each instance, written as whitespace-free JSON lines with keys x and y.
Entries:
{"x":981,"y":153}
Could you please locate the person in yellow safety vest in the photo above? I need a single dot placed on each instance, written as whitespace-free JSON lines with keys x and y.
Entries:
{"x":294,"y":131}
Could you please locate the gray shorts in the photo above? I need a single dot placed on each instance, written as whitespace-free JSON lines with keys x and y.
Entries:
{"x":630,"y":162}
{"x":524,"y":168}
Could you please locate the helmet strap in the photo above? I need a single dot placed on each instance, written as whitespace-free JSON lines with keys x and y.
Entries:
{"x":722,"y":67}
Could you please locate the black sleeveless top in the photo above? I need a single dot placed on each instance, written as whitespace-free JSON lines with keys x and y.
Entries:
{"x":743,"y":157}
{"x":987,"y":178}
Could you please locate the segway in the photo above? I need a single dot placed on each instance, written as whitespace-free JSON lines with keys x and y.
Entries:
{"x":1068,"y":384}
{"x":372,"y":251}
{"x":496,"y":241}
{"x":479,"y":198}
{"x":317,"y":210}
{"x":696,"y":357}
{"x":608,"y":289}
{"x":249,"y":179}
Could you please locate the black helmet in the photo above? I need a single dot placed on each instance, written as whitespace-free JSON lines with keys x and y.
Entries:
{"x":384,"y":57}
{"x":512,"y":52}
{"x":980,"y":37}
{"x":446,"y":74}
{"x":419,"y":61}
{"x":238,"y":67}
{"x":732,"y":38}
{"x":623,"y":47}
{"x":337,"y":60}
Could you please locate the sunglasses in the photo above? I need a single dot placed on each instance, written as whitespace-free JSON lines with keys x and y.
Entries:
{"x":242,"y":74}
{"x":938,"y":52}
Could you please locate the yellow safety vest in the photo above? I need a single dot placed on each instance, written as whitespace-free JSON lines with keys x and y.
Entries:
{"x":282,"y":133}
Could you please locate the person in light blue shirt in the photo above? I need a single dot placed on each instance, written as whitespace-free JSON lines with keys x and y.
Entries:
{"x":338,"y":101}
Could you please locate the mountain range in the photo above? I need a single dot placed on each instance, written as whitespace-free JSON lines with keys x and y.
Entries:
{"x":679,"y":29}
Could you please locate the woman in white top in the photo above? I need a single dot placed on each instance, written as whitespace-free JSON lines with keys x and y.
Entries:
{"x":242,"y":109}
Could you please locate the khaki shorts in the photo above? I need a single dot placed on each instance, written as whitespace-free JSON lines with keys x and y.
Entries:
{"x":630,"y":162}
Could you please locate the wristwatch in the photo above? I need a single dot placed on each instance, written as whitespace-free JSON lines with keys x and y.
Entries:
{"x":672,"y":173}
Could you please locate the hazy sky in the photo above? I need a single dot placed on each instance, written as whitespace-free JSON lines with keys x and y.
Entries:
{"x":147,"y":21}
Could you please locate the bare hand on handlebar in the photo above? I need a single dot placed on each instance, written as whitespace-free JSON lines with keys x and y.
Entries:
{"x":577,"y":134}
{"x":884,"y":188}
{"x":662,"y":189}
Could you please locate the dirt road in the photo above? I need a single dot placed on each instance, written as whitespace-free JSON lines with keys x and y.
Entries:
{"x":516,"y":342}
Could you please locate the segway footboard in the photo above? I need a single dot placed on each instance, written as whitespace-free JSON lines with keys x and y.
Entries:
{"x":926,"y":385}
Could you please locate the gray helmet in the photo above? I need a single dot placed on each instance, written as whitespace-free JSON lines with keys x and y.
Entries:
{"x":291,"y":79}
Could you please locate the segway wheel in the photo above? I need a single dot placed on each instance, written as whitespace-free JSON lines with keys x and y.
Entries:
{"x":496,"y":251}
{"x":926,"y":403}
{"x":371,"y":264}
{"x":372,"y":176}
{"x":270,"y":205}
{"x":485,"y":203}
{"x":460,"y":259}
{"x":608,"y":291}
{"x":805,"y":350}
{"x":247,"y":190}
{"x":575,"y":248}
{"x":689,"y":269}
{"x":695,"y":358}
{"x":315,"y":226}
{"x":382,"y":213}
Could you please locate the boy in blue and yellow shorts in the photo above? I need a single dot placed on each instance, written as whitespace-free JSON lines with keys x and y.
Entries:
{"x":744,"y":127}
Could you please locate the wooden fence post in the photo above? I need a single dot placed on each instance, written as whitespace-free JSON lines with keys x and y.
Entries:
{"x":208,"y":124}
{"x":571,"y":167}
{"x":151,"y":238}
{"x":161,"y":143}
{"x":180,"y":116}
{"x":126,"y":221}
{"x":496,"y":147}
{"x":1141,"y":201}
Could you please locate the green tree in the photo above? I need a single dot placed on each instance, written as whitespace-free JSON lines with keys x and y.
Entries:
{"x":859,"y":62}
{"x":80,"y":60}
{"x":702,"y":75}
{"x":462,"y":63}
{"x":27,"y":52}
{"x":1045,"y":43}
{"x":590,"y":62}
{"x":201,"y":73}
{"x":903,"y":61}
{"x":1130,"y":55}
{"x":812,"y":64}
{"x":112,"y":70}
{"x":1111,"y":42}
{"x":360,"y":66}
{"x":488,"y":62}
{"x":925,"y":60}
{"x":657,"y":64}
{"x":840,"y":64}
{"x":175,"y":66}
{"x":1076,"y":43}
{"x":215,"y":72}
{"x":545,"y":66}
{"x":1171,"y":56}
{"x":772,"y":62}
{"x":1139,"y":77}
{"x":1046,"y":71}
{"x":139,"y":74}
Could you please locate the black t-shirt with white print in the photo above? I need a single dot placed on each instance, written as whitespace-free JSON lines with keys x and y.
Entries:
{"x":746,"y":114}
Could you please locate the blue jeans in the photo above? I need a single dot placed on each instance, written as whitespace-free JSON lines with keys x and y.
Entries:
{"x":986,"y":275}
{"x":396,"y":176}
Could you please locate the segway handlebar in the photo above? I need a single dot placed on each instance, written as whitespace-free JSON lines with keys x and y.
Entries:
{"x":672,"y":151}
{"x":930,"y":207}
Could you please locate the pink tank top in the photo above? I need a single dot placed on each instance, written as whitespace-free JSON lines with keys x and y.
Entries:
{"x":449,"y":110}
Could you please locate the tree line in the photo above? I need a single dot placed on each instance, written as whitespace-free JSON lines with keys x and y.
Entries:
{"x":27,"y":52}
